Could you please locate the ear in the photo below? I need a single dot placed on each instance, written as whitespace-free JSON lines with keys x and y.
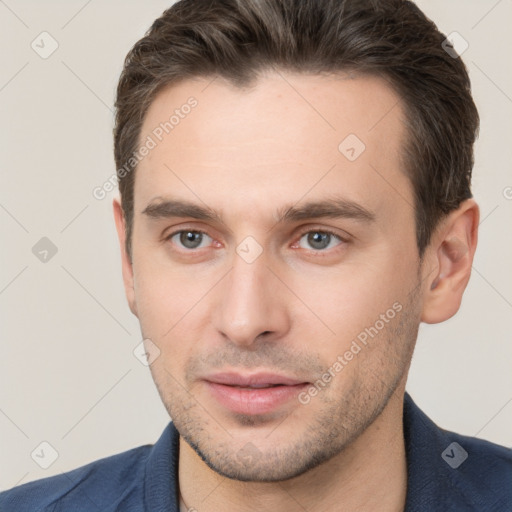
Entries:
{"x":452,"y":250}
{"x":127,"y":265}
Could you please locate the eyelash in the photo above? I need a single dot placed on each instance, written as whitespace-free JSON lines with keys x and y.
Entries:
{"x":185,"y":230}
{"x":301,"y":234}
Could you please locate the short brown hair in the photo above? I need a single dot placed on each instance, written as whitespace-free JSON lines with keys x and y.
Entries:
{"x":235,"y":39}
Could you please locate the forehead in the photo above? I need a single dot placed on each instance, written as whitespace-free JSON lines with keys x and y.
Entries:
{"x":288,"y":136}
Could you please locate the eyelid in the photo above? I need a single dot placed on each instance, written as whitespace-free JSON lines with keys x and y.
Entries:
{"x":177,"y":248}
{"x":308,"y":229}
{"x":168,"y":235}
{"x":319,"y":253}
{"x":194,"y":226}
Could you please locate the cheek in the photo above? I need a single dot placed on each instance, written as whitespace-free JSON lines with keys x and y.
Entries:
{"x":162,"y":298}
{"x":172,"y":312}
{"x":342,"y":302}
{"x":358,"y":312}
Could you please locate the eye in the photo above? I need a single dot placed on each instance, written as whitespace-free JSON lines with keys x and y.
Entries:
{"x":319,"y":240}
{"x":190,"y":239}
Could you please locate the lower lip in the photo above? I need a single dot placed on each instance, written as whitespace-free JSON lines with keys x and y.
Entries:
{"x":255,"y":400}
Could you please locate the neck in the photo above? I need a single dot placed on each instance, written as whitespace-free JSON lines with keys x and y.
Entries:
{"x":370,"y":474}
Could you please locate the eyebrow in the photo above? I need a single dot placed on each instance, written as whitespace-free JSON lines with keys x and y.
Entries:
{"x":331,"y":208}
{"x":166,"y":209}
{"x":327,"y":208}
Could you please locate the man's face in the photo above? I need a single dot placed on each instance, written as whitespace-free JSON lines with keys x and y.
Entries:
{"x":271,"y":289}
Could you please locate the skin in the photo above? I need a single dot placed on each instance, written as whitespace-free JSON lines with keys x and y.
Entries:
{"x":248,"y":154}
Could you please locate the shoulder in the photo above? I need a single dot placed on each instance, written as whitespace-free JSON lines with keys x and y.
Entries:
{"x":479,"y":470}
{"x":99,"y":485}
{"x":450,"y":471}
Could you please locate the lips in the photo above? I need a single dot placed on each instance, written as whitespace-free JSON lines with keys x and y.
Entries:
{"x":258,"y":393}
{"x":257,"y":380}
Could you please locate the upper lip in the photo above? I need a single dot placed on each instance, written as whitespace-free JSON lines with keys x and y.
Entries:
{"x":255,"y":379}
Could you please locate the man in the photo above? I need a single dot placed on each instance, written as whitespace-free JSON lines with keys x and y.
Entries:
{"x":295,"y":200}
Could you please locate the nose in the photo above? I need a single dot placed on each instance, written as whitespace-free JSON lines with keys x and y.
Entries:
{"x":251,"y":303}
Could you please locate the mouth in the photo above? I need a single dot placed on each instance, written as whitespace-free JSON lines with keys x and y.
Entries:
{"x":255,"y":380}
{"x":259,"y":386}
{"x":258,"y":393}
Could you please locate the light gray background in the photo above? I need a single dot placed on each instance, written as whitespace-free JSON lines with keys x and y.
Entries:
{"x":68,"y":374}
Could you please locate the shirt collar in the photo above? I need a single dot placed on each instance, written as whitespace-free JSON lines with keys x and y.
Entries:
{"x":161,"y":478}
{"x":429,"y":482}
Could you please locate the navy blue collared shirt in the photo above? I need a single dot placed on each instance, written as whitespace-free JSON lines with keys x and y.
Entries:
{"x":447,"y":472}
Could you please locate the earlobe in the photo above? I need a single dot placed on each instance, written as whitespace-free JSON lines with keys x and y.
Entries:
{"x":454,"y":245}
{"x":127,"y":266}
